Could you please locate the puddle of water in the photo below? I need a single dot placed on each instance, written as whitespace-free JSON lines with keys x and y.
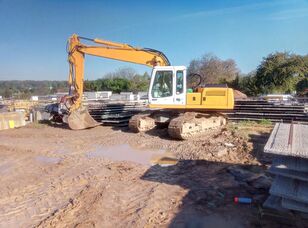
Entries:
{"x":124,"y":152}
{"x":164,"y":160}
{"x":47,"y":160}
{"x":61,"y":151}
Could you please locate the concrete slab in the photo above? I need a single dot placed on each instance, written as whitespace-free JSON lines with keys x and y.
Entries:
{"x":274,"y":202}
{"x":291,"y":163}
{"x":290,"y":189}
{"x":288,"y":140}
{"x":11,"y":120}
{"x":289,"y":173}
{"x":294,"y":205}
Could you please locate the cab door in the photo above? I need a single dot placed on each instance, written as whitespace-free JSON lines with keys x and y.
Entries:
{"x":180,"y":86}
{"x":161,"y":89}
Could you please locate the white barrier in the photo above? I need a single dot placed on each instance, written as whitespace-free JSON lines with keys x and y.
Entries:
{"x":10,"y":120}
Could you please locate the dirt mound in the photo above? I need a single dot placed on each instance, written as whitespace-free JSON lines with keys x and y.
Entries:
{"x":239,"y":95}
{"x":220,"y":146}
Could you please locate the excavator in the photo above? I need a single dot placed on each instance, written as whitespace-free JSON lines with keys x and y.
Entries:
{"x":185,"y":111}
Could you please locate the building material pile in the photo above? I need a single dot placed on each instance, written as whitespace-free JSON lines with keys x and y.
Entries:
{"x":289,"y":190}
{"x":255,"y":110}
{"x":115,"y":114}
{"x":118,"y":112}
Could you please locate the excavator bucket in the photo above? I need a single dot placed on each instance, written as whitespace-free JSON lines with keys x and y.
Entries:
{"x":81,"y":119}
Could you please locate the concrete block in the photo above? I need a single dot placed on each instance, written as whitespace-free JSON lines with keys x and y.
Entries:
{"x":290,"y":189}
{"x":274,"y":202}
{"x":289,"y":173}
{"x":288,"y":140}
{"x":294,"y":205}
{"x":291,"y":163}
{"x":10,"y":120}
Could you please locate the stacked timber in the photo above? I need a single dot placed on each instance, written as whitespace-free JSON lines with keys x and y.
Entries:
{"x":118,"y":113}
{"x":255,"y":110}
{"x":289,"y":190}
{"x":115,"y":114}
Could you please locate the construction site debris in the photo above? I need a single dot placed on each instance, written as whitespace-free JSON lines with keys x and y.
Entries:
{"x":118,"y":114}
{"x":71,"y":178}
{"x":9,"y":120}
{"x":288,"y":142}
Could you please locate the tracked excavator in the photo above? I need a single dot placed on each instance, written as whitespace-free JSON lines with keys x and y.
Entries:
{"x":185,"y":111}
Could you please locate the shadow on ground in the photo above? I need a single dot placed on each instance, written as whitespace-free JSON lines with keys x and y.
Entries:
{"x":212,"y":187}
{"x":54,"y":124}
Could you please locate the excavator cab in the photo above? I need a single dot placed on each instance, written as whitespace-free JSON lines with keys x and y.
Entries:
{"x":168,"y":86}
{"x":168,"y":90}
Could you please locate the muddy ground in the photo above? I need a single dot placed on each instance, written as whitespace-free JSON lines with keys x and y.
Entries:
{"x":105,"y":177}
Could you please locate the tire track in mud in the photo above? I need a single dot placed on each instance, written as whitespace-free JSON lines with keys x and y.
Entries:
{"x":51,"y":187}
{"x":124,"y":195}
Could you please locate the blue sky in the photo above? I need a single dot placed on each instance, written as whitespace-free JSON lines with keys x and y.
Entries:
{"x":33,"y":33}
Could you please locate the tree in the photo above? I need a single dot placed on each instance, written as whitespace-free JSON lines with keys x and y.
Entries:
{"x":245,"y":83}
{"x":214,"y":70}
{"x":116,"y":85}
{"x":139,"y":83}
{"x":280,"y":72}
{"x":125,"y":72}
{"x":7,"y":93}
{"x":302,"y":87}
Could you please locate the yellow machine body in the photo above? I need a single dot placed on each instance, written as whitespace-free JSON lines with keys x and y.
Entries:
{"x":206,"y":98}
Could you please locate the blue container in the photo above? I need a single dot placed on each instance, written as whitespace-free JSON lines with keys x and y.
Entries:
{"x":242,"y":200}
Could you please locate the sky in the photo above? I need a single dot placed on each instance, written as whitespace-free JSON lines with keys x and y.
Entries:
{"x":33,"y":33}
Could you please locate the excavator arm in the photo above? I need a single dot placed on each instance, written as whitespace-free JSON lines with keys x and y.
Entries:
{"x":79,"y":118}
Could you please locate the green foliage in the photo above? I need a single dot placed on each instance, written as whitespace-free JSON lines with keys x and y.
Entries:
{"x":265,"y":122}
{"x":116,"y":85}
{"x":246,"y":84}
{"x":122,"y":80}
{"x":302,"y":86}
{"x":25,"y":89}
{"x":280,"y":72}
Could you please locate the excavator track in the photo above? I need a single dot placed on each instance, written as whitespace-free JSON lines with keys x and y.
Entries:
{"x":193,"y":123}
{"x":141,"y":123}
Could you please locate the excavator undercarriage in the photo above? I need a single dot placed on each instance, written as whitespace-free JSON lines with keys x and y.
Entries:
{"x":181,"y":125}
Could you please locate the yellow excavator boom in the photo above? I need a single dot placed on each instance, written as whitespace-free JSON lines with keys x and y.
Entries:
{"x":106,"y":49}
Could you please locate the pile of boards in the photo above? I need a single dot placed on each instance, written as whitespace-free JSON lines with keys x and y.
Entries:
{"x":115,"y":114}
{"x":256,"y":110}
{"x":289,"y":145}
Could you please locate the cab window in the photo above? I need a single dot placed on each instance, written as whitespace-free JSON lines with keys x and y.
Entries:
{"x":179,"y":82}
{"x":162,"y":86}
